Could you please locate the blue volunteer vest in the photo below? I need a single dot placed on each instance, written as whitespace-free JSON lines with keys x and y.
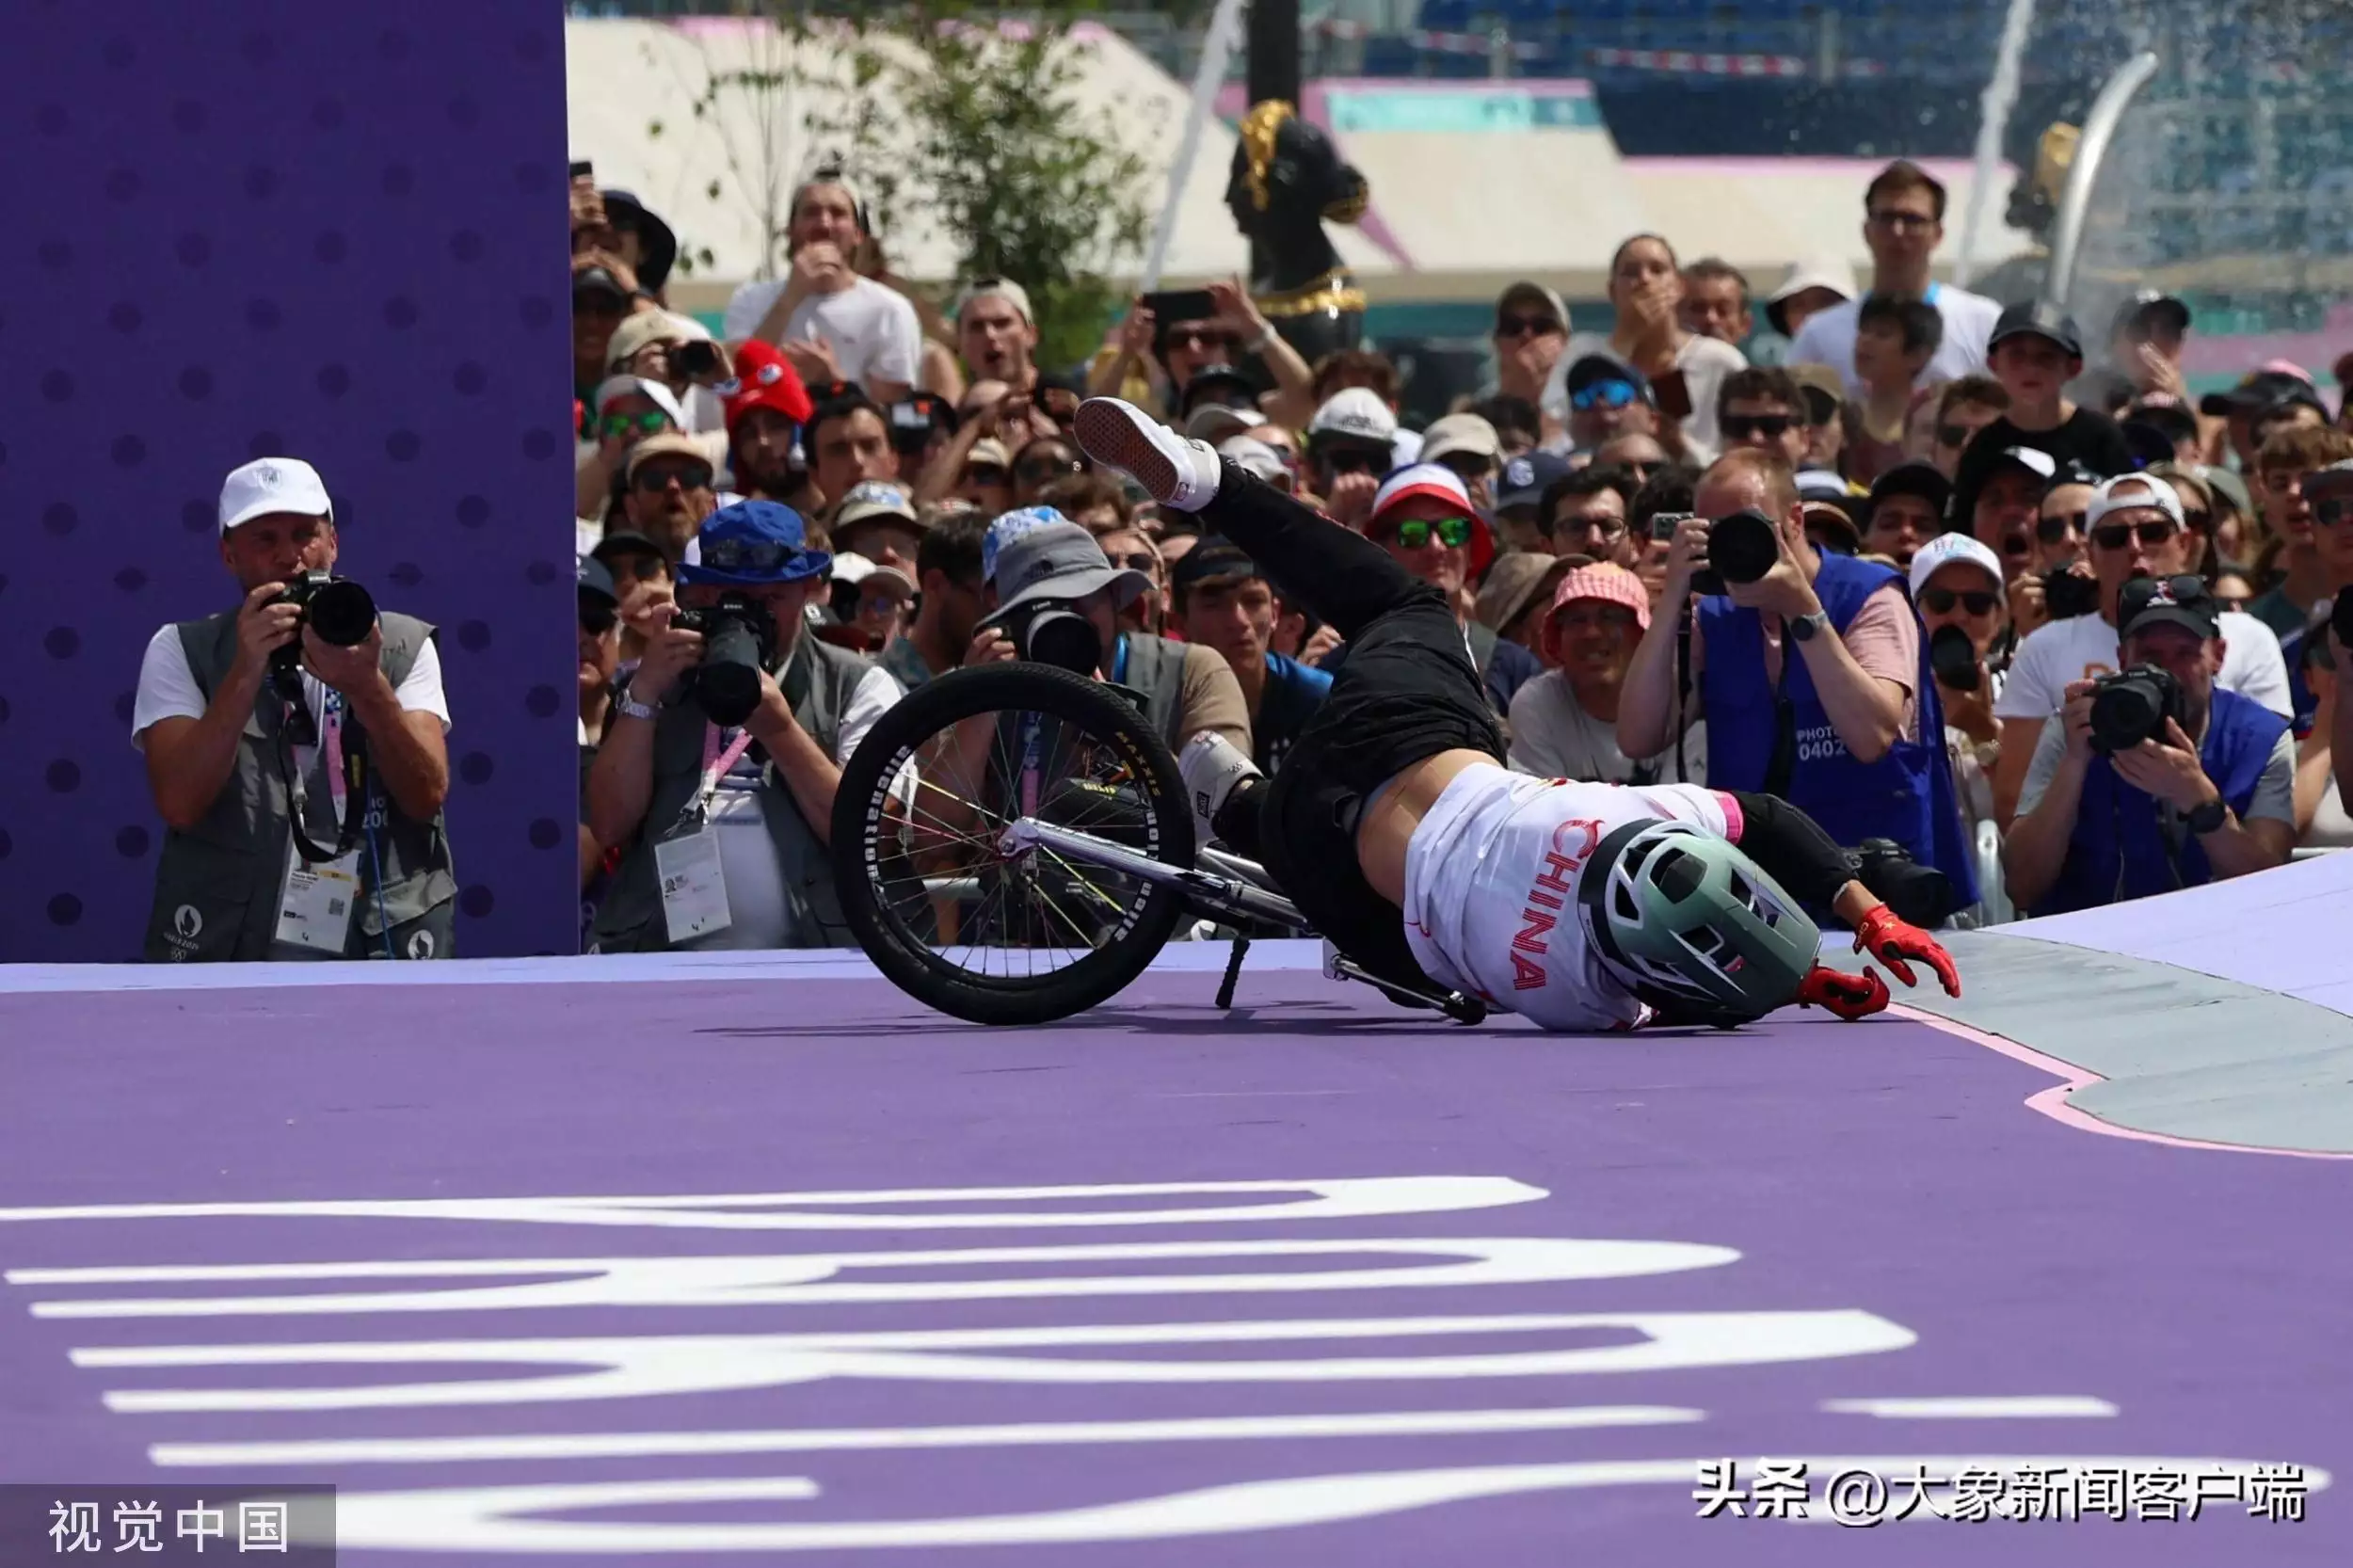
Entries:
{"x":2120,"y":851}
{"x":1906,"y":795}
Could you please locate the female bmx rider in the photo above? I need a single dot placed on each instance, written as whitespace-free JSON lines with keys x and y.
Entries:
{"x":1396,"y":830}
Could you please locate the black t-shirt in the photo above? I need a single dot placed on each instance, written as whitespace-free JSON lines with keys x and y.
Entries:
{"x":2089,"y":439}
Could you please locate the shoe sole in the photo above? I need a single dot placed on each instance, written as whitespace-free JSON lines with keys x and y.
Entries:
{"x":1111,"y":435}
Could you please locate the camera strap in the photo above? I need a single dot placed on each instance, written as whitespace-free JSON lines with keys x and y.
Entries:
{"x":346,"y":767}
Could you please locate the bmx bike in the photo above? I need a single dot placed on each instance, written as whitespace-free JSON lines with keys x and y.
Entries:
{"x":1011,"y":844}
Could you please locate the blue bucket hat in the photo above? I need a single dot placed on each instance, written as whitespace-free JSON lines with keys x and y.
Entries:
{"x":753,"y":544}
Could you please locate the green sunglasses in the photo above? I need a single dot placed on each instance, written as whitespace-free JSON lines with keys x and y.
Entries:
{"x":651,"y":421}
{"x":1453,"y":532}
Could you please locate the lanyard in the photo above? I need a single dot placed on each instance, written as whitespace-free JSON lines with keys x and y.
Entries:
{"x":331,"y":753}
{"x":715,"y":765}
{"x":1119,"y":662}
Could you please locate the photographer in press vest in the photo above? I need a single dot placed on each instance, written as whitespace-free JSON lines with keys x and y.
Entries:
{"x":295,"y":748}
{"x":718,"y":767}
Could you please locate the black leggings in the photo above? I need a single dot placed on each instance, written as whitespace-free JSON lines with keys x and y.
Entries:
{"x":1407,"y":691}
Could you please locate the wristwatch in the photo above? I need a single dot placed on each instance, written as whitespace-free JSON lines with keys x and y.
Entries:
{"x":2208,"y":818}
{"x":629,"y":707}
{"x":1802,"y":628}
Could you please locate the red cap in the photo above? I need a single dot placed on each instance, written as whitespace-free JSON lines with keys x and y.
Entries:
{"x":763,"y":379}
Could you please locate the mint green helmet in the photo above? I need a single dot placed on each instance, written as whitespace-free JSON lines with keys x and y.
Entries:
{"x":1689,"y":923}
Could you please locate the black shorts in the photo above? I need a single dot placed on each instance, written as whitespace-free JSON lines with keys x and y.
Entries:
{"x":1407,"y":691}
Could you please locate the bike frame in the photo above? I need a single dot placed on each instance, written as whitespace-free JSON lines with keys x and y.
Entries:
{"x":1222,"y":886}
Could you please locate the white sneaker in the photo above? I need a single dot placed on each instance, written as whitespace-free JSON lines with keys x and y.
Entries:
{"x":1175,"y":472}
{"x":1212,"y":767}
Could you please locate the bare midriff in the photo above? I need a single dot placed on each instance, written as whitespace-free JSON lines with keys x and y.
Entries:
{"x":1397,"y":808}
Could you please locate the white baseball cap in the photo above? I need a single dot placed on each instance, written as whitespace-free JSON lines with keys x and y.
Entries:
{"x":1944,"y":550}
{"x":999,"y":288}
{"x":270,"y":486}
{"x":1356,"y":412}
{"x":2128,"y":492}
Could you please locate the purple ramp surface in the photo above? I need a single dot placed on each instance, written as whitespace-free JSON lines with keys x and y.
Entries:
{"x":835,"y":1275}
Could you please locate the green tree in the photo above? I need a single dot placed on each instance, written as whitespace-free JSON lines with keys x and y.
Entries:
{"x":961,"y":125}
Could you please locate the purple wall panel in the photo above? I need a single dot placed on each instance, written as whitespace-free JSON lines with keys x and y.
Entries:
{"x":326,"y":230}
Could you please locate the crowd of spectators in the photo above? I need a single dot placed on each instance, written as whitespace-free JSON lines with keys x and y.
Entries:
{"x":1878,"y":545}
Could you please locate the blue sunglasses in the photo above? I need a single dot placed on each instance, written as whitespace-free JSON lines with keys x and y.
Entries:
{"x":1602,"y":394}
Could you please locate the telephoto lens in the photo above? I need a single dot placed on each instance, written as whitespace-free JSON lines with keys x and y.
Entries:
{"x":737,"y":636}
{"x":1954,"y":659}
{"x":1741,"y":549}
{"x":2131,"y":706}
{"x":1054,"y":632}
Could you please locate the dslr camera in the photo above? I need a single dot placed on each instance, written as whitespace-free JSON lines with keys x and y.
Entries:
{"x":1741,"y":549}
{"x":2066,"y":595}
{"x":739,"y":639}
{"x":2131,"y":706}
{"x":342,"y":613}
{"x":1053,"y":631}
{"x":339,"y":610}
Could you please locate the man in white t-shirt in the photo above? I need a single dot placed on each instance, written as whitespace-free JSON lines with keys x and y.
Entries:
{"x":1903,"y":224}
{"x":2136,"y":529}
{"x":833,"y":323}
{"x":1395,"y":828}
{"x":251,"y":722}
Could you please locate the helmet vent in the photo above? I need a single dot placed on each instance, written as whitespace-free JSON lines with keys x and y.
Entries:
{"x":1675,"y":875}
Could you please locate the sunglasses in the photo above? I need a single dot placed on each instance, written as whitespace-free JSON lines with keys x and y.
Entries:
{"x":2335,"y":512}
{"x":1644,"y":466}
{"x":1953,"y":435}
{"x":1138,"y":561}
{"x":1976,"y":601}
{"x":654,"y":478}
{"x":1468,"y":466}
{"x":985,"y":473}
{"x":1602,"y":394}
{"x":2198,"y":520}
{"x":1198,"y":336}
{"x":1353,"y":462}
{"x":2055,"y":529}
{"x":1739,"y":428}
{"x":597,"y":619}
{"x":617,"y":425}
{"x":1453,"y":532}
{"x":1525,"y":327}
{"x":2116,"y":536}
{"x":747,"y":555}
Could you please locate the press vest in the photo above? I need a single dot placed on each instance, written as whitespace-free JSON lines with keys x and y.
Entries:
{"x":1907,"y":796}
{"x":217,"y":883}
{"x":2119,"y":849}
{"x":1154,"y":668}
{"x":818,"y":679}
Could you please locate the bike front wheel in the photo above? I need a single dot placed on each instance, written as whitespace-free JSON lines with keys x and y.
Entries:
{"x":931,"y":891}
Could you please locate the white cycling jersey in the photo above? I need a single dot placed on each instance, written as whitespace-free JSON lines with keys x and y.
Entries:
{"x":1490,"y":888}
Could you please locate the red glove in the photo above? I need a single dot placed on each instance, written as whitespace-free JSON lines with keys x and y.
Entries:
{"x":1891,"y":941}
{"x":1849,"y":995}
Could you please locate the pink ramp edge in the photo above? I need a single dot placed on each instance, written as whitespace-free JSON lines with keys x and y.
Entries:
{"x":2053,"y":1102}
